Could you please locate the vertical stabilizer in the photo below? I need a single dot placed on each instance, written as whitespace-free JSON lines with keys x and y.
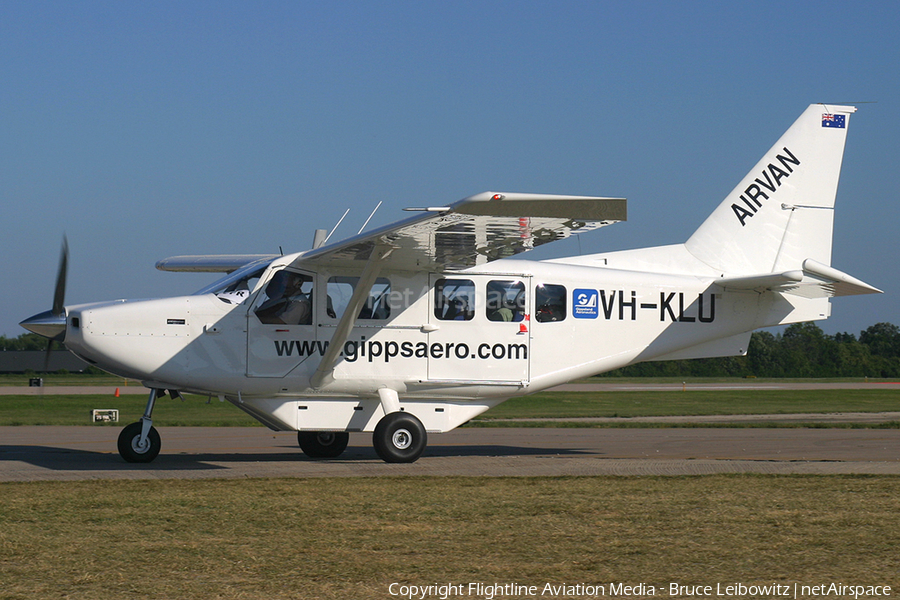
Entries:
{"x":782,"y":212}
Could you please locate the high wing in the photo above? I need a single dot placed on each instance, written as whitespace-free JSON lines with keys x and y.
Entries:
{"x":212,"y":263}
{"x":479,"y":229}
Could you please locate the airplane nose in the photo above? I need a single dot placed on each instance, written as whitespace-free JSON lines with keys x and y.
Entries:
{"x":47,"y":324}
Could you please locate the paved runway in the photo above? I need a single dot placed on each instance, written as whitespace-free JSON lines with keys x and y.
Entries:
{"x":77,"y":453}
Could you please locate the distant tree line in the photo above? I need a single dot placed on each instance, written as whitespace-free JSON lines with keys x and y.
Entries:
{"x":26,"y":341}
{"x":802,"y":350}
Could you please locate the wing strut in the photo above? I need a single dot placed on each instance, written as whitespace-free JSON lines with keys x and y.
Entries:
{"x":324,"y":373}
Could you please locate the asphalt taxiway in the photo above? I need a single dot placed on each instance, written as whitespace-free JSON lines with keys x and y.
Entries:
{"x":80,"y":453}
{"x":74,"y":453}
{"x":609,"y":385}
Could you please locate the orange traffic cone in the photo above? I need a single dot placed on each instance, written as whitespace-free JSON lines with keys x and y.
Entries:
{"x":117,"y":392}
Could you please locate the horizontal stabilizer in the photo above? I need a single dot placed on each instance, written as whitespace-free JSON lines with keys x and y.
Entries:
{"x":814,"y":281}
{"x":832,"y":282}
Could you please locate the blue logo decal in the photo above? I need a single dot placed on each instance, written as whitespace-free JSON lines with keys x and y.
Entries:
{"x":584,"y":304}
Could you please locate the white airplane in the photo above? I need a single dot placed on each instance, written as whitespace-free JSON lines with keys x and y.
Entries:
{"x":419,"y":326}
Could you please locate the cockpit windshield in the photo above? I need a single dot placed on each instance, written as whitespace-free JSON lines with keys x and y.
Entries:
{"x":237,"y":286}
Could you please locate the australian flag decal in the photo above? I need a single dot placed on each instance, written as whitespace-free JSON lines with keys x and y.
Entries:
{"x":836,"y":121}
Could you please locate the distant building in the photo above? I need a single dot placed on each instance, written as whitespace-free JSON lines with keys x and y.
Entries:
{"x":20,"y":361}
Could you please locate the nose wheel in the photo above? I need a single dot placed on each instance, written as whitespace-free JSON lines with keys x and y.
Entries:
{"x":139,"y":442}
{"x":137,"y":448}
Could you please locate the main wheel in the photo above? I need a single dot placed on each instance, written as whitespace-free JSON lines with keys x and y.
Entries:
{"x":399,"y":438}
{"x":323,"y":444}
{"x":130,"y":448}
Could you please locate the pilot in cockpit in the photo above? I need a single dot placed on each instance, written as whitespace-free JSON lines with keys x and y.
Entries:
{"x":286,"y":301}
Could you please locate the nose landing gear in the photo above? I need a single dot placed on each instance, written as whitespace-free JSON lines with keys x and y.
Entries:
{"x":140,"y":442}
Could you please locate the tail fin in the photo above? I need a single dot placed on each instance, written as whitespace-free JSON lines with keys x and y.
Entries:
{"x":782,"y":212}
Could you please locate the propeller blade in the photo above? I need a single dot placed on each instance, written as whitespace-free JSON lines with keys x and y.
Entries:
{"x":59,"y":296}
{"x":51,"y":324}
{"x":47,"y":355}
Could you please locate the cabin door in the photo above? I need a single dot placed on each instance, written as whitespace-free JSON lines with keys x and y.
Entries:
{"x":479,"y":328}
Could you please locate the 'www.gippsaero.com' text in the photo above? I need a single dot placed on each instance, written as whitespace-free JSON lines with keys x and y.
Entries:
{"x":377,"y":350}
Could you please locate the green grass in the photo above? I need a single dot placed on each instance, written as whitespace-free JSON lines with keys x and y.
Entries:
{"x":546,"y":405}
{"x":76,"y":410}
{"x":57,"y":379}
{"x":352,"y":538}
{"x":52,"y":409}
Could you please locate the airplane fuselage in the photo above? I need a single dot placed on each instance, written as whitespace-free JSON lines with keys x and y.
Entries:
{"x":564,"y":322}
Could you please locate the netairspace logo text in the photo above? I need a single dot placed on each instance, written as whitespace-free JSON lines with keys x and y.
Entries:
{"x":492,"y":591}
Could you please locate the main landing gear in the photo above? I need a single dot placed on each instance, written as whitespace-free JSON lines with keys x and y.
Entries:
{"x":323,"y":444}
{"x":139,"y":442}
{"x":399,"y":436}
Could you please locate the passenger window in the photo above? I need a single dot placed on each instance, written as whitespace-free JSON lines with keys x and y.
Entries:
{"x":454,"y":299}
{"x":287,"y":300}
{"x":340,"y":290}
{"x":550,"y":303}
{"x":505,"y":301}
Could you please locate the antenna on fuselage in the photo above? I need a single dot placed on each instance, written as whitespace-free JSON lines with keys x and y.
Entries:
{"x":370,"y":217}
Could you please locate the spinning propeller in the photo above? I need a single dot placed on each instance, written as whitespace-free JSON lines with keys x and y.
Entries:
{"x":51,"y":324}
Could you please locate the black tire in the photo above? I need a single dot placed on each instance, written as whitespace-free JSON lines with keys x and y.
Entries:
{"x":399,"y":438}
{"x":129,"y":449}
{"x":323,"y":444}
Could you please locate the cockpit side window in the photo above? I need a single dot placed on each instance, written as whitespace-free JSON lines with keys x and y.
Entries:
{"x":287,"y":299}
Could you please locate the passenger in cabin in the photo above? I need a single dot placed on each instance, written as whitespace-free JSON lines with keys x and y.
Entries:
{"x":462,"y":312}
{"x":505,"y":301}
{"x":550,"y":303}
{"x":498,"y":308}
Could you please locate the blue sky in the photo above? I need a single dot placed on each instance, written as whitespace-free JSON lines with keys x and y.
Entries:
{"x":145,"y":130}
